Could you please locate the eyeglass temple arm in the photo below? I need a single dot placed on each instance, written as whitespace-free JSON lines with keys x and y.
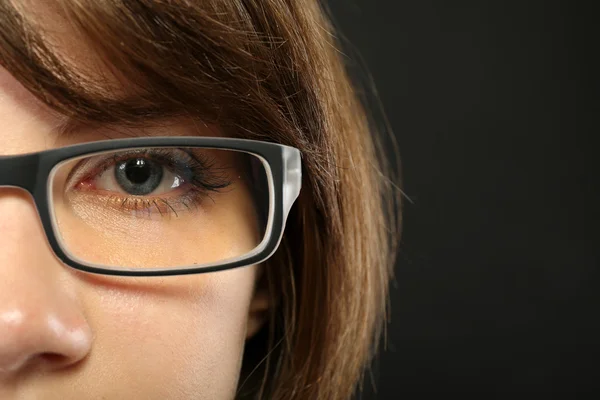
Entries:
{"x":292,"y":178}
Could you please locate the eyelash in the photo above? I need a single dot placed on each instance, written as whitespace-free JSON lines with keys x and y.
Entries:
{"x":203,"y":179}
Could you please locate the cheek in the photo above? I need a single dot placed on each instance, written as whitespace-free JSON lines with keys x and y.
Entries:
{"x":180,"y":338}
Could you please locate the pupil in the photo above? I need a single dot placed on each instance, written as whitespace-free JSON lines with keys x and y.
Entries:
{"x":137,"y":171}
{"x":139,"y":176}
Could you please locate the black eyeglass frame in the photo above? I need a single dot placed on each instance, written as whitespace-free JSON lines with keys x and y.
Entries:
{"x":32,"y":173}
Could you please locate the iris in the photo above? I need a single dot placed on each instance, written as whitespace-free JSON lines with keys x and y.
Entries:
{"x":139,"y":176}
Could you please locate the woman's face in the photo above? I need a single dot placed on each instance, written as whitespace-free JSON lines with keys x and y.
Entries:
{"x":65,"y":334}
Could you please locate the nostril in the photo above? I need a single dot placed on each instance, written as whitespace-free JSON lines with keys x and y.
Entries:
{"x":41,"y":339}
{"x":54,"y":359}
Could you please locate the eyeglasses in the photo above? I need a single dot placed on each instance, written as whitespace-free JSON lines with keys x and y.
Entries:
{"x":160,"y":205}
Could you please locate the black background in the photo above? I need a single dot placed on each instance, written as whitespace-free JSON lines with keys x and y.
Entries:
{"x":493,"y":104}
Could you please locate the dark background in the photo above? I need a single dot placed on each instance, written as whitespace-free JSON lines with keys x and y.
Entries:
{"x":494,"y":107}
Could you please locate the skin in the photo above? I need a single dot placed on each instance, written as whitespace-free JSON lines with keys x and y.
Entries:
{"x":69,"y":334}
{"x":219,"y":225}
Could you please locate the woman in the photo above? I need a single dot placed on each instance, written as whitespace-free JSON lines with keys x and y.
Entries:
{"x":162,"y":145}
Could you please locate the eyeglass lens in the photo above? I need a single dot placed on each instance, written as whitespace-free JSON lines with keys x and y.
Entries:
{"x":160,"y":207}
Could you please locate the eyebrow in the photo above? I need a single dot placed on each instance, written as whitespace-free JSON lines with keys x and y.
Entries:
{"x":133,"y":115}
{"x":68,"y":127}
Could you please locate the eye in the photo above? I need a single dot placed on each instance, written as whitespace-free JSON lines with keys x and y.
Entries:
{"x":138,"y":176}
{"x":153,"y":180}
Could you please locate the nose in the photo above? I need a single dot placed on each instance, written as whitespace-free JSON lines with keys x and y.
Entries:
{"x":42,"y":324}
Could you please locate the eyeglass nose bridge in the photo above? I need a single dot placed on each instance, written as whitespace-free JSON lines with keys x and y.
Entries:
{"x":19,"y":171}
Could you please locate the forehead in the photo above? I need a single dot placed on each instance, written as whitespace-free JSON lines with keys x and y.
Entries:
{"x":67,"y":42}
{"x":117,"y":65}
{"x":63,"y":71}
{"x":16,"y":100}
{"x":10,"y":87}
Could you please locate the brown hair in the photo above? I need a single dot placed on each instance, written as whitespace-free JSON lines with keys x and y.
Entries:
{"x":267,"y":70}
